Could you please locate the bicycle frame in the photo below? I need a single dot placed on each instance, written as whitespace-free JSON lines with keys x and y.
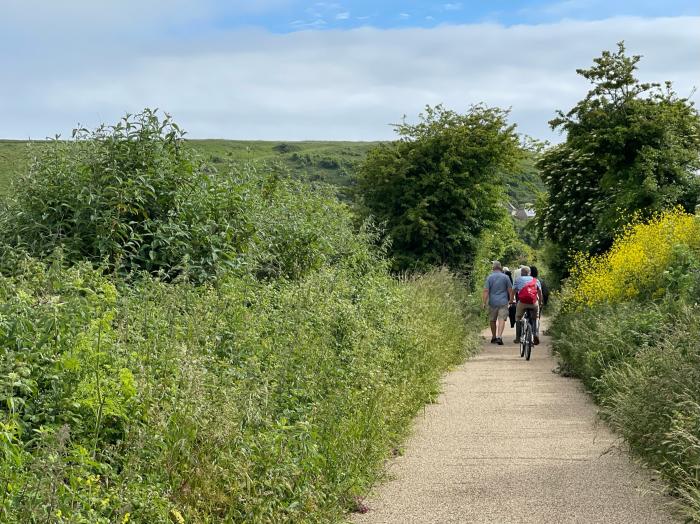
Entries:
{"x":527,"y":330}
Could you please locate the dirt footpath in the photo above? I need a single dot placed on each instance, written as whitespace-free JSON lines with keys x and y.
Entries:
{"x":510,"y":441}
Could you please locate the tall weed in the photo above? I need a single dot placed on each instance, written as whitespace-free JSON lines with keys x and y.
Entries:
{"x":628,"y":327}
{"x":249,"y":401}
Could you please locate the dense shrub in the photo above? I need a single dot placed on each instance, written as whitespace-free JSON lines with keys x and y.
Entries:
{"x":182,"y":343}
{"x":249,"y":401}
{"x":628,"y":328}
{"x":500,"y":242}
{"x":132,"y":197}
{"x":637,"y":262}
{"x":439,"y":187}
{"x":123,"y":195}
{"x":631,"y":149}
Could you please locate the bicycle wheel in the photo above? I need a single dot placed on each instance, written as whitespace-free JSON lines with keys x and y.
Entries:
{"x":522,"y":338}
{"x":528,"y":342}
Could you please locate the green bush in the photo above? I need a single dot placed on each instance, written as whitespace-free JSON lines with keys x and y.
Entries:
{"x":654,"y":402}
{"x":187,"y":344}
{"x":439,"y":187}
{"x":129,"y":196}
{"x":591,"y":341}
{"x":132,"y":197}
{"x":248,"y":401}
{"x":641,"y":360}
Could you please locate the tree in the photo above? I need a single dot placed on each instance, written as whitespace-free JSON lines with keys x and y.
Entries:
{"x":438,"y":187}
{"x":631,"y":150}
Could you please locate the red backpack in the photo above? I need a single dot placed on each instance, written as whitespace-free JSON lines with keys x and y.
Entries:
{"x":528,"y":294}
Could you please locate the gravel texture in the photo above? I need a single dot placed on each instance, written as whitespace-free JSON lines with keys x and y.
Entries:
{"x":511,"y":441}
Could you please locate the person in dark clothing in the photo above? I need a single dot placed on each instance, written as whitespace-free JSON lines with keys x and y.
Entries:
{"x":508,"y":274}
{"x":511,"y":307}
{"x":545,"y":291}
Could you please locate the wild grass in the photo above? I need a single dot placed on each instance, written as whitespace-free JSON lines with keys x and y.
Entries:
{"x":256,"y":365}
{"x":245,"y":402}
{"x":638,"y":348}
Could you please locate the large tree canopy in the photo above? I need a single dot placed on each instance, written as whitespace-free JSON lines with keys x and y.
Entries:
{"x":438,"y":187}
{"x":631,"y":150}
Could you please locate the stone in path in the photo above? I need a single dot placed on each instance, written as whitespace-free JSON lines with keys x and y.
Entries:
{"x":509,"y":441}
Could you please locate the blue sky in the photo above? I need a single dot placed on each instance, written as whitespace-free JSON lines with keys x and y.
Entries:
{"x":296,"y":15}
{"x":293,"y":70}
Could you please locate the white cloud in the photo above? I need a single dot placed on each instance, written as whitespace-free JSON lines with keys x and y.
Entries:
{"x":328,"y":84}
{"x":404,"y":15}
{"x":452,"y":7}
{"x":342,"y":16}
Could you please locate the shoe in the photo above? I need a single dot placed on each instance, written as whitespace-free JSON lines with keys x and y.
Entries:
{"x":536,"y":339}
{"x":499,"y":341}
{"x":516,"y":341}
{"x":493,"y":340}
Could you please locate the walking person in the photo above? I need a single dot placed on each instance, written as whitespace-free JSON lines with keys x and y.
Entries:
{"x":534,"y":272}
{"x":508,"y":273}
{"x":498,"y":293}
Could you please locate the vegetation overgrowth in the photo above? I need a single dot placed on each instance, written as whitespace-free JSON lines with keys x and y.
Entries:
{"x":638,"y":264}
{"x":628,"y":327}
{"x":439,"y":187}
{"x":335,"y":163}
{"x":187,"y":342}
{"x":632,"y":149}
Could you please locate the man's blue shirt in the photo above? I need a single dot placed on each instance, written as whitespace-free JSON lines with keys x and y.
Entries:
{"x":498,"y":285}
{"x":521,"y":281}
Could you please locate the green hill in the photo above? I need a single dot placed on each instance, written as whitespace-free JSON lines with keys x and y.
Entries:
{"x":334,"y":162}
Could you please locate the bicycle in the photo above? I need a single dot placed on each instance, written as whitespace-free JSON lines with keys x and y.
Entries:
{"x":527,"y":333}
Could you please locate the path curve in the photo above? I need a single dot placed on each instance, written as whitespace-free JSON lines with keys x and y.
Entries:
{"x":510,"y":441}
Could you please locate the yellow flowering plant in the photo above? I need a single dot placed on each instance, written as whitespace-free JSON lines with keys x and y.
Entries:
{"x":635,"y":264}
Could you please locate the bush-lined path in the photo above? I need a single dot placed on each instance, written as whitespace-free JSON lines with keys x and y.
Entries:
{"x":510,"y":441}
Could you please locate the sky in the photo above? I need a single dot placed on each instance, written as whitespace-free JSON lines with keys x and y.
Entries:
{"x":336,"y":70}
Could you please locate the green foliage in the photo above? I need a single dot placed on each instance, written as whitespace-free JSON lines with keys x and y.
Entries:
{"x":250,"y":401}
{"x":184,"y":342}
{"x":522,"y":182}
{"x":641,"y":359}
{"x":132,"y":197}
{"x":437,"y":188}
{"x":15,"y":158}
{"x":631,"y":150}
{"x":129,"y":196}
{"x":335,"y":163}
{"x":500,"y":242}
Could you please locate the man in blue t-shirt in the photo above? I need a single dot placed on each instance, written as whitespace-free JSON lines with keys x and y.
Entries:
{"x":498,"y":293}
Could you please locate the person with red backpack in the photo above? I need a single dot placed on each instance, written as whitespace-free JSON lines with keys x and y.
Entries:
{"x":528,"y":291}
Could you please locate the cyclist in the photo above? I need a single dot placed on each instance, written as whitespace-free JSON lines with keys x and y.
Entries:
{"x":528,"y":291}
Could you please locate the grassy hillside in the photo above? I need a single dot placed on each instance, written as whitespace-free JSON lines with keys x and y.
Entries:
{"x":335,"y":162}
{"x":14,"y":157}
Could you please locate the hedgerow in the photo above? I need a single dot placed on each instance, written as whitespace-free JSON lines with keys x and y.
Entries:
{"x":628,"y":328}
{"x":230,"y":351}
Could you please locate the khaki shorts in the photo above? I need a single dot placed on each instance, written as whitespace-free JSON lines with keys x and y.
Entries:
{"x":522,"y":307}
{"x":498,"y":313}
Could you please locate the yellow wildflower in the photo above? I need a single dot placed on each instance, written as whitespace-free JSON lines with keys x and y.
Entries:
{"x":637,"y":258}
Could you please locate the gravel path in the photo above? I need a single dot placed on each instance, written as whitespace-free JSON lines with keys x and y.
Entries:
{"x":510,"y":441}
